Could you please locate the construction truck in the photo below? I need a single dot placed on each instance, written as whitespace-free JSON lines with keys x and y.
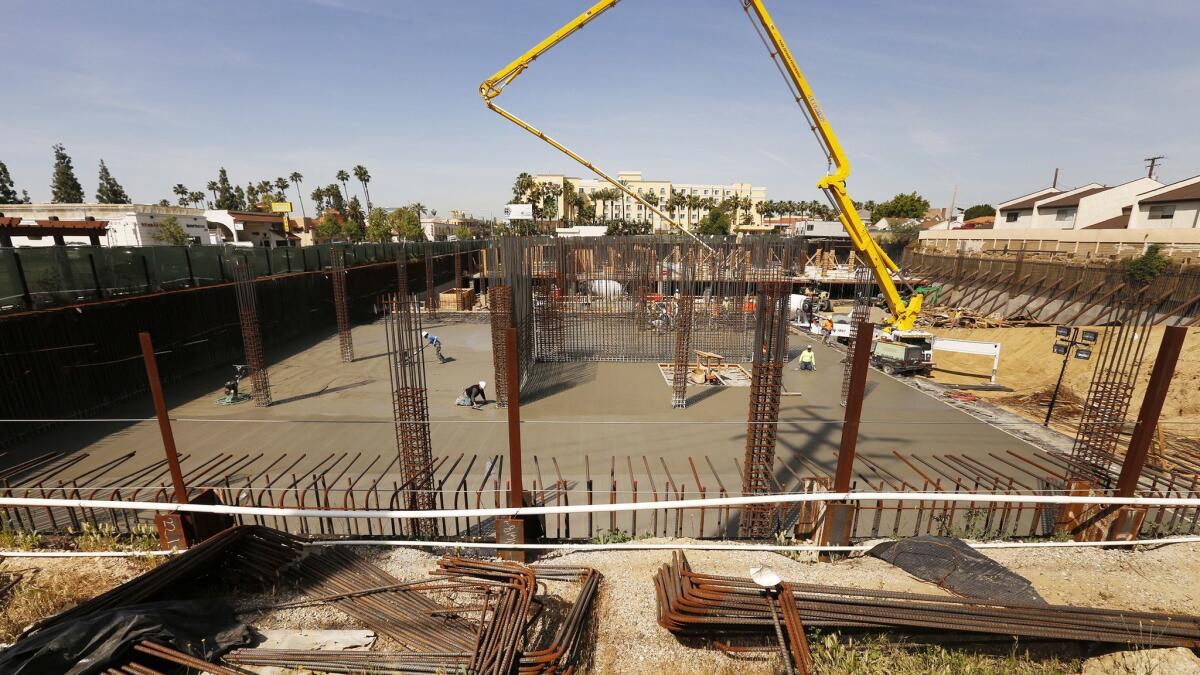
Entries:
{"x":900,"y":358}
{"x":903,"y":314}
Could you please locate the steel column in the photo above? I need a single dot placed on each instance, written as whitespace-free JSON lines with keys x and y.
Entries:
{"x":1152,"y":404}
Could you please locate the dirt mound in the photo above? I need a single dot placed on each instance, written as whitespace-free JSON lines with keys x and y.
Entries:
{"x":1030,"y":369}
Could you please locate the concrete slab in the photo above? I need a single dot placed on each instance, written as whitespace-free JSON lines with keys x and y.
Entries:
{"x":331,"y":429}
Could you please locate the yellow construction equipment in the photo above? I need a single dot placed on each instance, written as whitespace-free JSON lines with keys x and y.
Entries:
{"x":903,"y":315}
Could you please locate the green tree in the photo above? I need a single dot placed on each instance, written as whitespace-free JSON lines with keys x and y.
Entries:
{"x":715,"y":223}
{"x":543,"y":196}
{"x":343,"y":178}
{"x":25,"y":197}
{"x":171,"y":233}
{"x":212,"y":189}
{"x":1145,"y":268}
{"x":328,"y":225}
{"x":182,"y":194}
{"x":64,"y":186}
{"x":239,"y":199}
{"x":910,"y":205}
{"x":227,"y":198}
{"x":379,"y":227}
{"x":196,"y":198}
{"x":978,"y":211}
{"x":164,"y":202}
{"x":296,"y":179}
{"x":355,"y":215}
{"x":626,"y":228}
{"x":8,"y":192}
{"x":904,"y":233}
{"x":364,"y":177}
{"x":406,"y":223}
{"x":462,"y":232}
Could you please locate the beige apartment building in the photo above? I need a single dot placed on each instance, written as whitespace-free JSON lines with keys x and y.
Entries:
{"x":659,"y":191}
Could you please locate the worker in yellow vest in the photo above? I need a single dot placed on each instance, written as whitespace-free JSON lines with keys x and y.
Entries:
{"x":808,"y":359}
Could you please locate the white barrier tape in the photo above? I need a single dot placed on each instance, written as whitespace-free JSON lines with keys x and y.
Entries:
{"x":627,"y":546}
{"x":716,"y":502}
{"x":84,"y":554}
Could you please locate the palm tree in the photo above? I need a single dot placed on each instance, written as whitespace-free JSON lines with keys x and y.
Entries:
{"x":281,"y":186}
{"x":182,"y":193}
{"x":296,"y":179}
{"x":360,"y":172}
{"x":196,"y":198}
{"x":418,"y":208}
{"x":693,"y":205}
{"x":212,"y":187}
{"x":342,"y":177}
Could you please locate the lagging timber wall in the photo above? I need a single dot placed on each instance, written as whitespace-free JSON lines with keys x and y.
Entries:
{"x":1052,"y":291}
{"x":75,"y":361}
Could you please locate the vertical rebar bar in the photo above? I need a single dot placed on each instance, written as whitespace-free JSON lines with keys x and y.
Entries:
{"x":431,"y":299}
{"x":337,"y":258}
{"x":500,"y":307}
{"x":247,"y":299}
{"x":683,"y":332}
{"x":410,"y":407}
{"x":766,"y":385}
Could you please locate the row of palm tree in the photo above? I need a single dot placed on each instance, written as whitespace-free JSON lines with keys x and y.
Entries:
{"x":257,"y":193}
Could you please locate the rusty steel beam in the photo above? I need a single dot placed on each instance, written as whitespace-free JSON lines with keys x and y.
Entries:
{"x":337,"y":258}
{"x":860,"y":359}
{"x":1067,"y":302}
{"x":164,"y":421}
{"x":1152,"y":404}
{"x":517,"y":488}
{"x":431,"y":299}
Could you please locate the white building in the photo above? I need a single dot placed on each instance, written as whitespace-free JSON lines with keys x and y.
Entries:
{"x":1175,"y":206}
{"x":659,"y":192}
{"x":127,"y":224}
{"x":251,"y":228}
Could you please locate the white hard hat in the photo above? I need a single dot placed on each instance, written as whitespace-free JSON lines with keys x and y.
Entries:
{"x":424,"y":333}
{"x":482,"y":384}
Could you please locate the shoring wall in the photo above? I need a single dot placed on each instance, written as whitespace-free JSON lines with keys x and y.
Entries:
{"x":1051,"y":291}
{"x":69,"y":362}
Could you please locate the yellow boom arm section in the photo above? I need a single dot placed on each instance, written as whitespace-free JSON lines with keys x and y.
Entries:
{"x":494,"y":86}
{"x":833,"y":184}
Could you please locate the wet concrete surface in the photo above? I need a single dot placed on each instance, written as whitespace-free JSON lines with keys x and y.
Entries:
{"x":595,"y":420}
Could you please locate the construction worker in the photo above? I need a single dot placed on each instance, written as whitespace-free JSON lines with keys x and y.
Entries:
{"x":826,"y":330}
{"x":808,"y":359}
{"x":469,"y":394}
{"x":433,"y":341}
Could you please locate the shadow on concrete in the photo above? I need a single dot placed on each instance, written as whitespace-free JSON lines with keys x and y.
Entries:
{"x":547,"y":379}
{"x":323,"y":390}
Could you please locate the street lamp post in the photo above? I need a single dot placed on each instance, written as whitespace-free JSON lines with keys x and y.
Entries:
{"x":1068,"y":338}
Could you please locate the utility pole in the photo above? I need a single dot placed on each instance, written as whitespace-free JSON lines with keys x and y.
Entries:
{"x":1054,"y":183}
{"x":1151,"y":164}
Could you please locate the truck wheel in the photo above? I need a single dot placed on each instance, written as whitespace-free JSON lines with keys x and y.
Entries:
{"x":889,"y":369}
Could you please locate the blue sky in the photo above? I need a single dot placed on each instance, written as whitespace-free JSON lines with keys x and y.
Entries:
{"x":925,"y":95}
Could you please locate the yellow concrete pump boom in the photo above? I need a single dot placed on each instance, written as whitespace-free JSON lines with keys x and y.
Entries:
{"x":904,"y":315}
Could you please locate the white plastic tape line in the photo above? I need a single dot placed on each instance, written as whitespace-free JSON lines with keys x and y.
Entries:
{"x":84,"y":554}
{"x":716,"y":502}
{"x":626,"y":546}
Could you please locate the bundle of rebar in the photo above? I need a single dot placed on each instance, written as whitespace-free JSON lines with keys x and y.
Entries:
{"x":410,"y":407}
{"x":249,"y":550}
{"x":337,"y":259}
{"x":247,"y":300}
{"x":690,"y":603}
{"x":494,"y":636}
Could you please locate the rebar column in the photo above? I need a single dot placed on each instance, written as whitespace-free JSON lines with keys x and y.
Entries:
{"x":410,"y":409}
{"x":431,"y":302}
{"x":337,"y":258}
{"x":1118,"y":357}
{"x":766,"y":384}
{"x":500,"y":307}
{"x":247,"y":299}
{"x":458,"y":273}
{"x":683,"y":332}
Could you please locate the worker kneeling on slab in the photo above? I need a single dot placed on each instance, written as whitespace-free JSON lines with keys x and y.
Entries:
{"x":470,"y":393}
{"x":807,"y":359}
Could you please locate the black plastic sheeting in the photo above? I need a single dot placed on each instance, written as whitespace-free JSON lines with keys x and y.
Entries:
{"x":958,"y":568}
{"x":203,"y":628}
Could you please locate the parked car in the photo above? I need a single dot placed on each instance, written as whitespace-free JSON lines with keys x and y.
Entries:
{"x":900,"y":358}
